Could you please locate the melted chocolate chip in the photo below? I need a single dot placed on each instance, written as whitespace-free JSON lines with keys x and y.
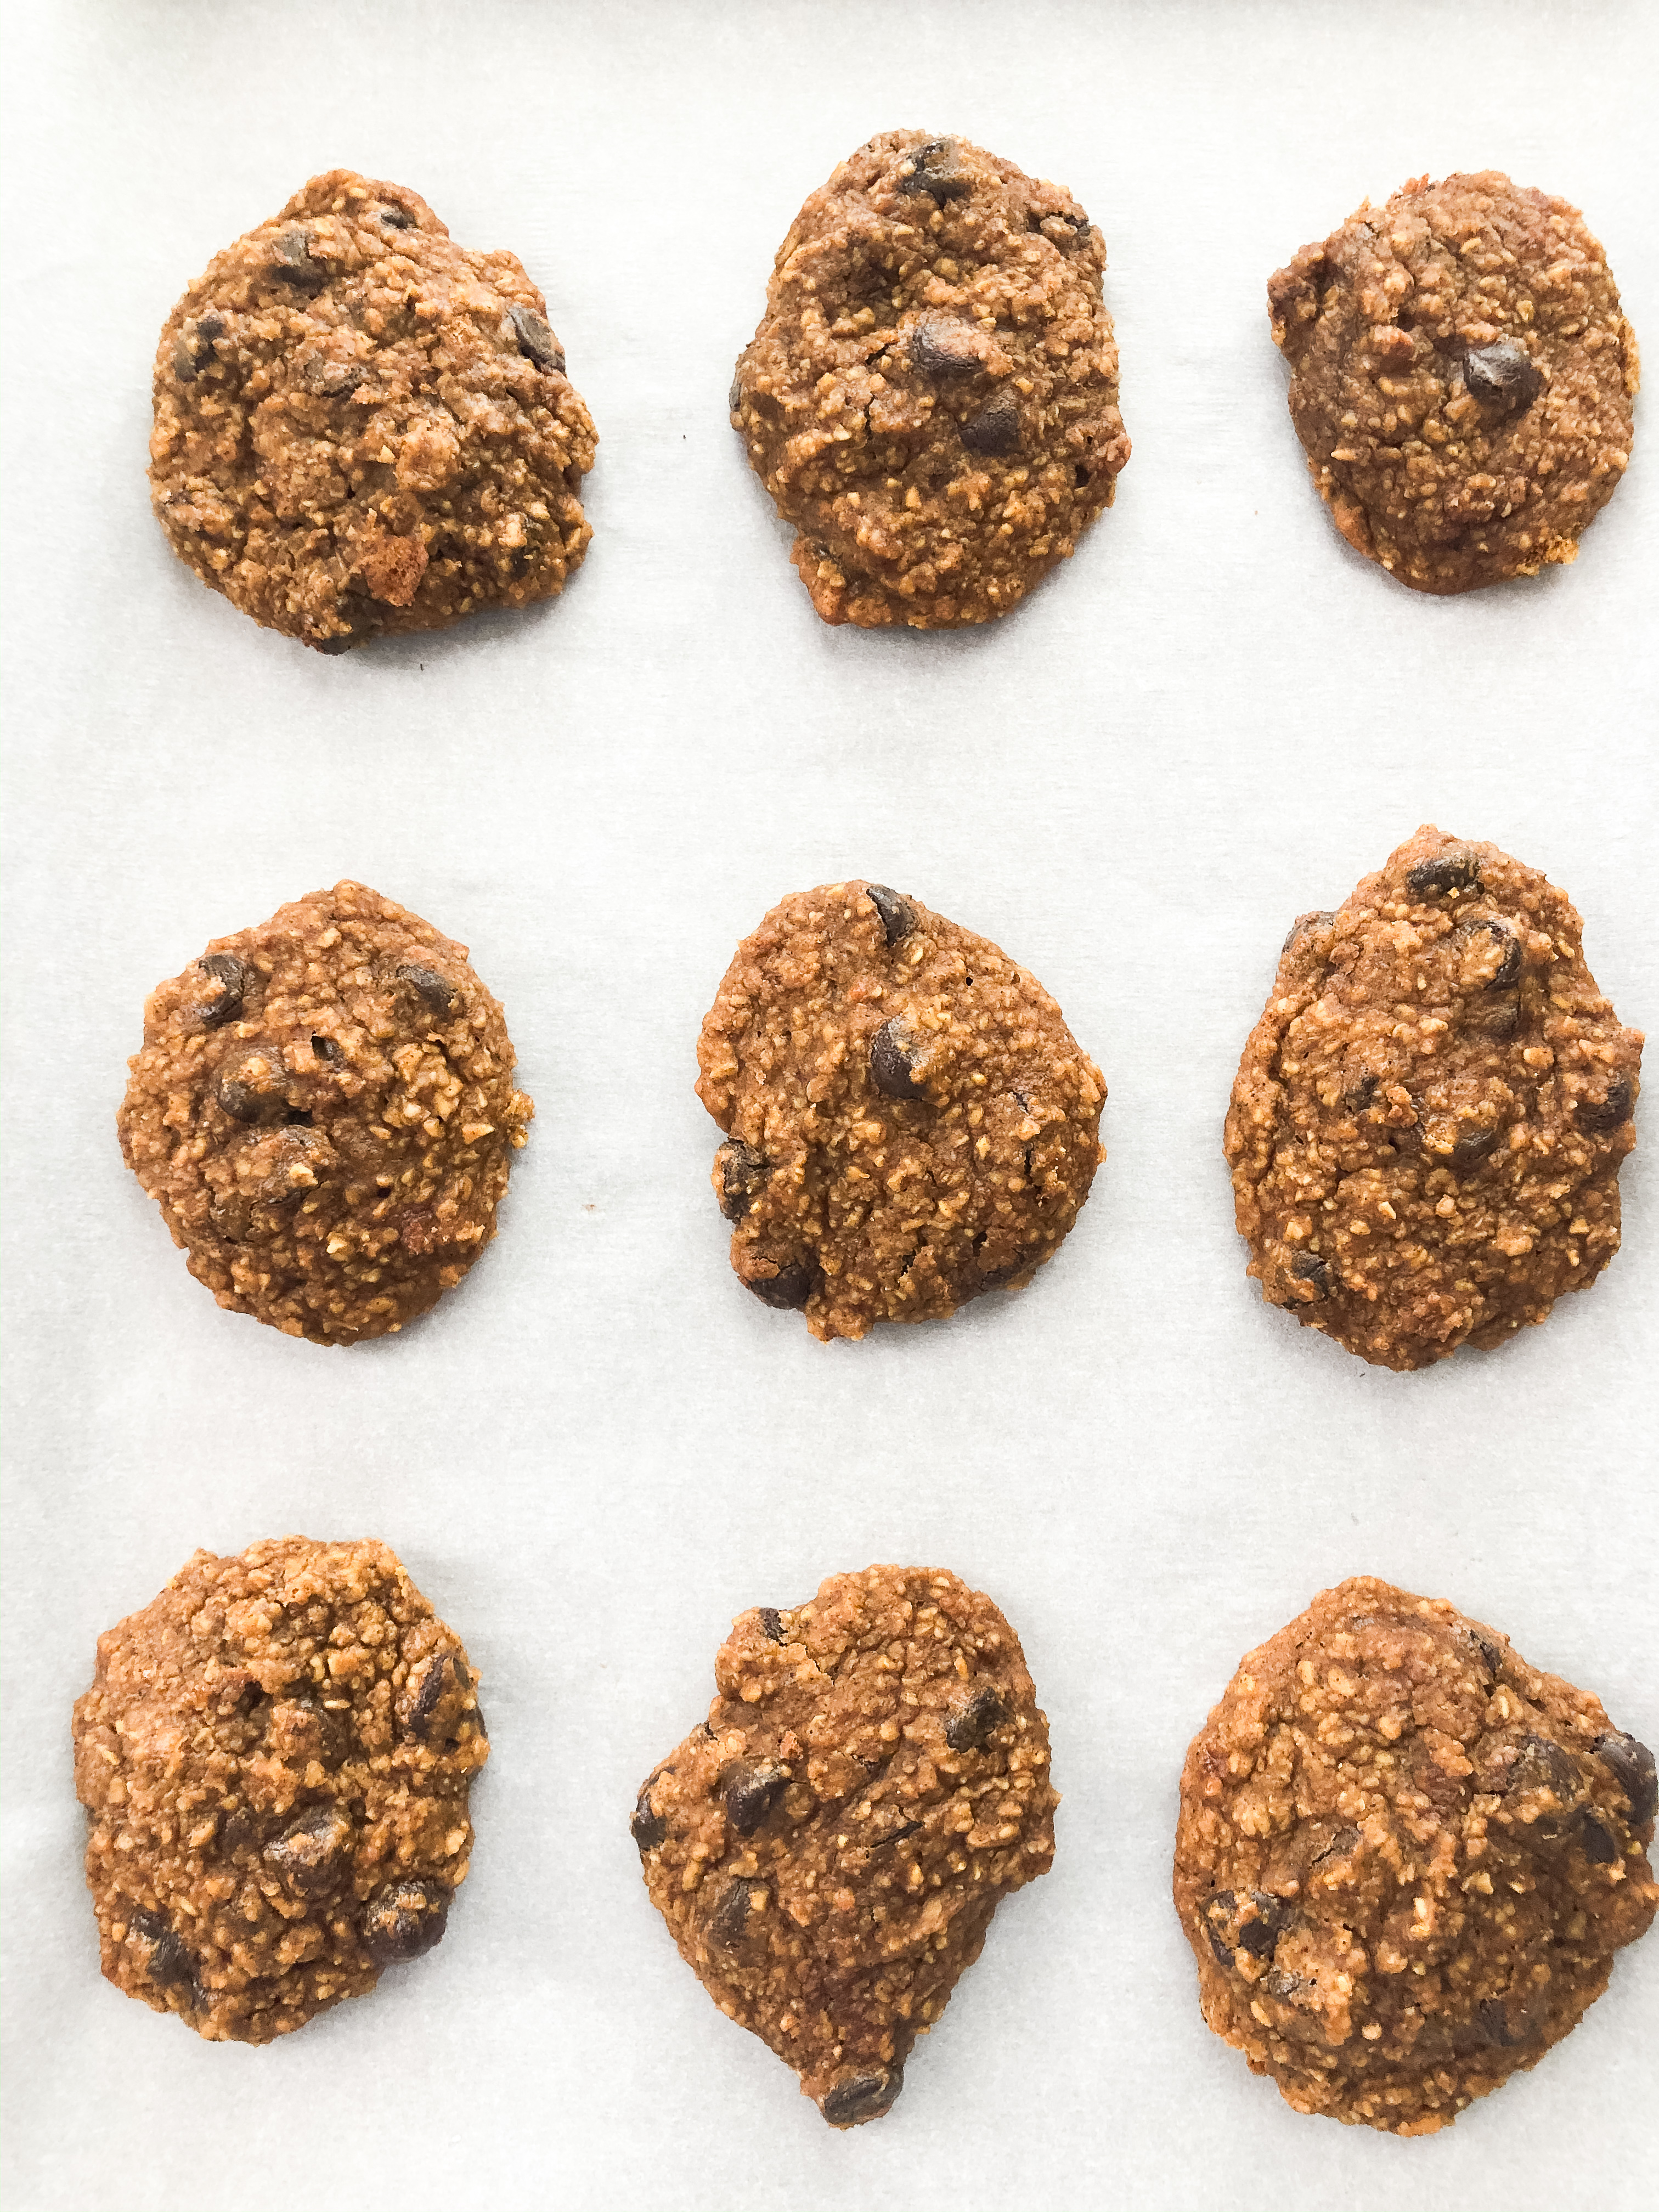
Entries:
{"x":229,"y":979}
{"x":1490,"y":1656}
{"x":995,"y":429}
{"x":730,"y":1916}
{"x":1503,"y":376}
{"x":1310,"y":1267}
{"x":1599,"y":1848}
{"x":789,"y":1289}
{"x":312,"y":1855}
{"x":860,"y":2097}
{"x":424,"y":1703}
{"x":941,"y":345}
{"x":750,"y":1794}
{"x":890,"y":1067}
{"x":1230,"y":1927}
{"x":404,"y":1919}
{"x":1599,"y":1117}
{"x":1470,"y":1149}
{"x":1492,"y":2016}
{"x":291,"y":261}
{"x":743,"y":1175}
{"x":771,"y":1623}
{"x":647,"y":1828}
{"x":970,"y":1727}
{"x":325,"y":1050}
{"x":934,"y":167}
{"x":1444,"y":876}
{"x":1631,"y":1764}
{"x":169,"y":1963}
{"x":898,"y":916}
{"x":437,"y":995}
{"x":537,"y":339}
{"x":1541,"y":1764}
{"x":1510,"y":959}
{"x":253,"y":1090}
{"x":396,"y":218}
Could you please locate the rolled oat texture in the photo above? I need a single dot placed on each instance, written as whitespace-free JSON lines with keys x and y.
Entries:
{"x":276,"y":1756}
{"x":1429,"y":1119}
{"x":909,"y":1123}
{"x":323,"y":1110}
{"x":828,"y":1847}
{"x":1405,"y":1859}
{"x":1462,"y":376}
{"x":361,"y":429}
{"x":931,"y":398}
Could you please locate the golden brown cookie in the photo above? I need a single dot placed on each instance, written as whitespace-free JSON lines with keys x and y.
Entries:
{"x":931,"y":398}
{"x":910,"y":1123}
{"x":1462,"y":376}
{"x":323,"y":1110}
{"x":362,"y":428}
{"x":1405,"y":1859}
{"x":276,"y":1756}
{"x":828,"y":1848}
{"x":1428,"y":1121}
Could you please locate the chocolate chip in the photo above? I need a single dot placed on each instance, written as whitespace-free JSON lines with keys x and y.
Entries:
{"x":1507,"y":974}
{"x":1341,"y":1845}
{"x":1444,"y":876}
{"x":312,"y":1855}
{"x":291,"y":260}
{"x":1503,"y":376}
{"x":1310,"y":1267}
{"x":404,"y":1919}
{"x":1359,"y":1095}
{"x":1631,"y":1764}
{"x":750,"y":1794}
{"x":1470,"y":1149}
{"x":743,"y":1175}
{"x":1259,"y":1936}
{"x":211,"y":326}
{"x":890,"y":1063}
{"x":773,"y":1626}
{"x":169,"y":1962}
{"x":396,"y":218}
{"x":1303,"y":925}
{"x":325,"y":1050}
{"x":995,"y":429}
{"x":934,"y":167}
{"x":1493,"y":2021}
{"x":970,"y":1727}
{"x":906,"y":1828}
{"x":1598,"y":1117}
{"x":860,"y":2097}
{"x":192,"y":349}
{"x":1490,"y":1656}
{"x":1599,"y":1847}
{"x":229,"y":979}
{"x":344,"y":644}
{"x":1541,"y":1764}
{"x":787,"y":1290}
{"x":536,"y":339}
{"x":1217,"y":1916}
{"x":252,"y":1089}
{"x":898,"y":916}
{"x":647,"y":1828}
{"x":1079,"y":475}
{"x":435,"y":995}
{"x":1229,"y":1929}
{"x":331,"y":379}
{"x":424,"y":1702}
{"x":1501,"y":1020}
{"x":942,"y":345}
{"x":730,"y":1916}
{"x":734,"y":397}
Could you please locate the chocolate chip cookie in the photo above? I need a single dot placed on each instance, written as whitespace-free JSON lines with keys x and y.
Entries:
{"x":363,"y":428}
{"x":323,"y":1110}
{"x":828,"y":1848}
{"x":1405,"y":1859}
{"x":931,"y":398}
{"x":910,"y":1122}
{"x":1427,"y":1124}
{"x":1462,"y":377}
{"x":274,"y":1757}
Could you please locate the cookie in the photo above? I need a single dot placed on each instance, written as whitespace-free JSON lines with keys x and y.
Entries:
{"x":1428,"y":1121}
{"x":361,"y":429}
{"x":828,"y":1848}
{"x":323,"y":1110}
{"x":1405,"y":1859}
{"x":910,"y":1122}
{"x":931,"y":398}
{"x":1462,"y":377}
{"x":274,"y":1757}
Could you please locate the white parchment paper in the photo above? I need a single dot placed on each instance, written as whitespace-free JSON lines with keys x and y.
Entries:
{"x":599,"y":1450}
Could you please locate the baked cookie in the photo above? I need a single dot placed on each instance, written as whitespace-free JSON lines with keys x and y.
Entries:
{"x":363,"y":428}
{"x":1404,"y":1858}
{"x":323,"y":1110}
{"x":909,"y":1121}
{"x":828,"y":1848}
{"x":275,"y":1758}
{"x":1462,"y":377}
{"x":931,"y":398}
{"x":1427,"y":1123}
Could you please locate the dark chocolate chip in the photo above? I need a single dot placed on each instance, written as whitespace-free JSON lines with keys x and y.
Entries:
{"x":860,"y":2097}
{"x":1541,"y":1764}
{"x":995,"y":429}
{"x":734,"y":397}
{"x":750,"y":1794}
{"x":1080,"y":475}
{"x":1229,"y":1930}
{"x":934,"y":167}
{"x":970,"y":1727}
{"x":210,"y":326}
{"x":1508,"y":974}
{"x":1503,"y":376}
{"x":229,"y":979}
{"x":312,"y":1855}
{"x":772,"y":1625}
{"x":1599,"y":1847}
{"x":424,"y":1702}
{"x":1218,"y":1916}
{"x":1503,"y":1018}
{"x":1598,"y":1117}
{"x":728,"y":1919}
{"x":890,"y":1063}
{"x":1304,"y":925}
{"x":1631,"y":1764}
{"x":898,"y":916}
{"x":1259,"y":1936}
{"x":344,"y":644}
{"x":789,"y":1289}
{"x":1490,"y":1656}
{"x":169,"y":1962}
{"x":1492,"y":2016}
{"x":404,"y":1919}
{"x":291,"y":259}
{"x":647,"y":1828}
{"x":743,"y":1175}
{"x":1473,"y":1146}
{"x":325,"y":1050}
{"x":942,"y":345}
{"x":536,"y":339}
{"x":435,"y":995}
{"x":1443,"y":876}
{"x":396,"y":218}
{"x":1310,"y":1267}
{"x":252,"y":1089}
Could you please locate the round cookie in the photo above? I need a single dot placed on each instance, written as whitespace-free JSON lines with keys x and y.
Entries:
{"x":1462,"y":378}
{"x":323,"y":1110}
{"x":1428,"y":1120}
{"x":909,"y":1121}
{"x":828,"y":1848}
{"x":931,"y":397}
{"x":274,"y":1757}
{"x":1404,"y":1858}
{"x":362,"y":428}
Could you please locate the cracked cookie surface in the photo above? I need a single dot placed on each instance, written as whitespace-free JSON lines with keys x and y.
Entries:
{"x":1405,"y":1859}
{"x":909,"y":1121}
{"x":828,"y":1848}
{"x":323,"y":1110}
{"x":1461,"y":379}
{"x":363,"y":428}
{"x":1428,"y":1121}
{"x":274,"y":1757}
{"x":931,"y":398}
